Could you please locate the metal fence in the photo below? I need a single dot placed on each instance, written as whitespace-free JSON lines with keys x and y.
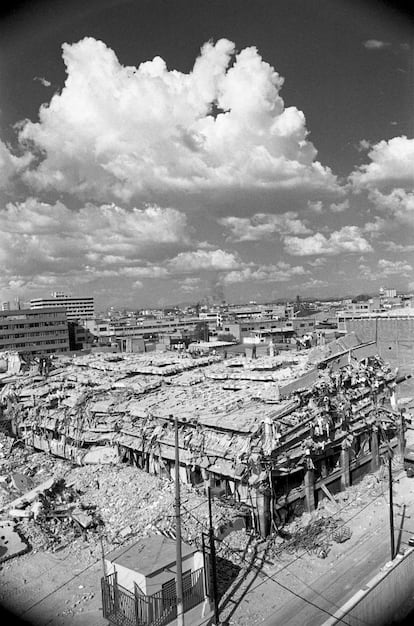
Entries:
{"x":121,"y":607}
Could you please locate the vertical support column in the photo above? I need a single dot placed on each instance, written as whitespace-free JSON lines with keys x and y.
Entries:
{"x":310,"y":490}
{"x":345,"y":470}
{"x":324,"y":468}
{"x":263,"y":511}
{"x":207,"y":480}
{"x":375,"y":463}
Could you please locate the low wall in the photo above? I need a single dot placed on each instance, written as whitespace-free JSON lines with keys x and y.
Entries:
{"x":385,"y":599}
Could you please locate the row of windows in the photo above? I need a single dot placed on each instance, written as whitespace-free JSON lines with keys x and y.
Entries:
{"x":39,"y":345}
{"x":61,"y":322}
{"x":56,"y":333}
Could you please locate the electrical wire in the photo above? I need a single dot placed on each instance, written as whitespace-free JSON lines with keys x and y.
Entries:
{"x":271,"y":578}
{"x":71,"y":579}
{"x":243,"y":559}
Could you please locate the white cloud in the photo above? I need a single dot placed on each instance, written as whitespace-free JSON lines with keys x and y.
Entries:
{"x":388,"y":268}
{"x":339,"y":207}
{"x":391,"y":166}
{"x":190,"y":284}
{"x":145,"y":133}
{"x":316,"y":206}
{"x":398,"y":204}
{"x":204,"y":260}
{"x":281,"y":272}
{"x":348,"y":239}
{"x":399,"y":247}
{"x":319,"y":262}
{"x":40,"y":239}
{"x":43,"y":81}
{"x":263,"y":226}
{"x":10,"y":165}
{"x":376,"y":44}
{"x":384,"y":269}
{"x":375,"y":228}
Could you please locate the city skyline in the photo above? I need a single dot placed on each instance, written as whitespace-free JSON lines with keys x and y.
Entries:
{"x":157,"y":152}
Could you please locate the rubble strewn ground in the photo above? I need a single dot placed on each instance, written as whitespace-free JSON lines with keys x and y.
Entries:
{"x":118,"y":502}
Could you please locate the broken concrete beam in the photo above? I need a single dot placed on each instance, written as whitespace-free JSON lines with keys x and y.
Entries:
{"x":21,"y":482}
{"x":30,"y":496}
{"x":83,"y":519}
{"x":20,"y":513}
{"x":101,"y":454}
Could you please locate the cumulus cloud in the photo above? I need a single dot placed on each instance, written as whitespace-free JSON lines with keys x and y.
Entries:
{"x":280,"y":272}
{"x":385,"y":268}
{"x":388,"y":268}
{"x":263,"y":226}
{"x":376,"y":44}
{"x":348,"y":239}
{"x":391,"y":165}
{"x":43,"y":81}
{"x":40,"y":239}
{"x":145,"y":132}
{"x":204,"y":260}
{"x":11,"y":165}
{"x":375,"y":228}
{"x":316,"y":206}
{"x":398,"y":204}
{"x":339,"y":207}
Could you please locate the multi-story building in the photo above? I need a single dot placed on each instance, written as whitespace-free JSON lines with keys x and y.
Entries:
{"x":77,"y":308}
{"x":42,"y":331}
{"x":149,"y":330}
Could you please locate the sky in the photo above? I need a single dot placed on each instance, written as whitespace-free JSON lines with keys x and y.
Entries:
{"x":155,"y":152}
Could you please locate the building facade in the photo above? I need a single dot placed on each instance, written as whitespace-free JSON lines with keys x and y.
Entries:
{"x":43,"y":331}
{"x":77,"y":308}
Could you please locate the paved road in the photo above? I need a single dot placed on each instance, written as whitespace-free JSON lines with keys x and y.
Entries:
{"x":351,"y":571}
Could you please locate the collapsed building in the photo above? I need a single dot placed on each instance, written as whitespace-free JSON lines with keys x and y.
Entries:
{"x":276,"y":433}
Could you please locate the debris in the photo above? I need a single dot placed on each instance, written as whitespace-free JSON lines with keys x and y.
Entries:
{"x":11,"y":543}
{"x":20,"y":513}
{"x":328,"y":493}
{"x":82,"y":518}
{"x":341,"y":534}
{"x":101,"y":455}
{"x":21,"y":482}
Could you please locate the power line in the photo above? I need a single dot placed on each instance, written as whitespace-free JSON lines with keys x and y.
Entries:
{"x":268,"y":577}
{"x":70,"y":580}
{"x":274,"y":580}
{"x":189,"y":512}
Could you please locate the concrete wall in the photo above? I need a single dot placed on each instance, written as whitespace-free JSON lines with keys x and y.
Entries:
{"x":395,"y":337}
{"x":385,"y":599}
{"x":126,"y":577}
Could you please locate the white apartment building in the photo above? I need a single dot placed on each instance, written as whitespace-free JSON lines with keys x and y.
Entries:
{"x":77,"y":308}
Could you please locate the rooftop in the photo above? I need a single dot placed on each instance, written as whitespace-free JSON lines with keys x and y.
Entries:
{"x":149,"y":555}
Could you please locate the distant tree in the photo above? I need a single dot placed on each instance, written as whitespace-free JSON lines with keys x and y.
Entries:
{"x":201,"y":331}
{"x":226,"y":337}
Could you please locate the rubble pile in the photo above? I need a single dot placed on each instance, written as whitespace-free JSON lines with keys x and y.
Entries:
{"x":58,"y":517}
{"x":316,"y":537}
{"x":248,"y":426}
{"x":21,"y":469}
{"x":115,"y":502}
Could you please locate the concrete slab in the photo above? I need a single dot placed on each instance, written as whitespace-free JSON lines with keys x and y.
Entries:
{"x":11,"y":544}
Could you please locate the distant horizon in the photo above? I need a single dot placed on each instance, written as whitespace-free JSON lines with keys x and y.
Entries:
{"x":303,"y":299}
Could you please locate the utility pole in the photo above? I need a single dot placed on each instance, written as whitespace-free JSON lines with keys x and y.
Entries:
{"x":391,"y":505}
{"x":213,"y":559}
{"x":387,"y":456}
{"x":179,"y":580}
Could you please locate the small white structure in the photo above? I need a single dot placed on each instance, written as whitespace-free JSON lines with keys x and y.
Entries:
{"x":151,"y":564}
